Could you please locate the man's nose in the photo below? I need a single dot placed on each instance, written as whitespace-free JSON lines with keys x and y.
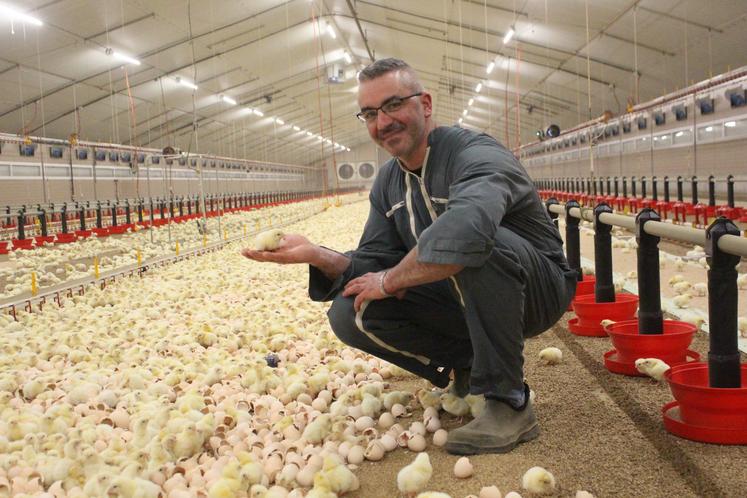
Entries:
{"x":382,"y":120}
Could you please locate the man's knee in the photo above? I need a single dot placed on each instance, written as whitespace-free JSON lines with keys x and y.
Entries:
{"x":342,"y":320}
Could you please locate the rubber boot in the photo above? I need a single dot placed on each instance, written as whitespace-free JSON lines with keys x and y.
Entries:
{"x":498,"y":429}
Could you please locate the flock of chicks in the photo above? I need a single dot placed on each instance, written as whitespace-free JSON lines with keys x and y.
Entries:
{"x":56,"y":264}
{"x":214,"y":377}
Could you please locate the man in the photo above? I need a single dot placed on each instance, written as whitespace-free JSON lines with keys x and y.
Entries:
{"x":458,"y":263}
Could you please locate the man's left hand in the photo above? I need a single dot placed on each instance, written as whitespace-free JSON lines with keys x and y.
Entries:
{"x":367,"y":288}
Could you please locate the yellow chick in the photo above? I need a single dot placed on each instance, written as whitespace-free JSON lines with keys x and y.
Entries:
{"x":429,"y":398}
{"x":268,"y":241}
{"x":538,"y":480}
{"x":413,"y":478}
{"x":653,"y":367}
{"x":454,"y":404}
{"x":338,"y":478}
{"x":551,"y":356}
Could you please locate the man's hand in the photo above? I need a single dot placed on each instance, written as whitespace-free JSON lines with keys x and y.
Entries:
{"x":293,"y":248}
{"x":367,"y":288}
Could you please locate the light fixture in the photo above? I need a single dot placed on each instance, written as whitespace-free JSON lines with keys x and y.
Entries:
{"x":309,"y":134}
{"x":348,"y":149}
{"x":461,"y":121}
{"x":123,"y":57}
{"x":464,"y":112}
{"x":471,"y":101}
{"x":709,"y":129}
{"x":331,"y":31}
{"x":14,"y":15}
{"x":257,"y":112}
{"x":730,"y":124}
{"x":279,"y":121}
{"x":478,"y":87}
{"x":227,"y":99}
{"x":186,"y":83}
{"x":348,"y":59}
{"x":296,"y":128}
{"x":490,"y":67}
{"x":509,"y":34}
{"x":679,"y":133}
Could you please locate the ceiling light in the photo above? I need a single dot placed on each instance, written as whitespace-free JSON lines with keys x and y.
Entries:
{"x":348,"y":149}
{"x":227,"y":99}
{"x":461,"y":121}
{"x":309,"y":134}
{"x":348,"y":59}
{"x":464,"y":112}
{"x":296,"y":128}
{"x":123,"y":57}
{"x":15,"y":15}
{"x":490,"y":67}
{"x":709,"y":129}
{"x":258,"y":112}
{"x":186,"y":83}
{"x":279,"y":121}
{"x":730,"y":124}
{"x":679,"y":133}
{"x":509,"y":34}
{"x":471,"y":101}
{"x":478,"y":88}
{"x":331,"y":31}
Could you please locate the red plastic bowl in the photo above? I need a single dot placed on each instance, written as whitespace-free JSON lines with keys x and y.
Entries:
{"x":590,"y":313}
{"x":670,"y":347}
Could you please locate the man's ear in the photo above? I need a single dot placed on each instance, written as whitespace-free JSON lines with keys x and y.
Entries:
{"x":427,"y":102}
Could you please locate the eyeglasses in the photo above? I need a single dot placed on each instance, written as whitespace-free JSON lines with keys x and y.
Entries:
{"x":393,"y":104}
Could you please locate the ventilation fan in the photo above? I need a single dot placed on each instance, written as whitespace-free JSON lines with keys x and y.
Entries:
{"x":345,"y":171}
{"x":366,"y":170}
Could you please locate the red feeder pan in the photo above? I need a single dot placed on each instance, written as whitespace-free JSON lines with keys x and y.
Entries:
{"x":3,"y":247}
{"x":65,"y":238}
{"x":590,"y":313}
{"x":83,"y":233}
{"x":100,"y":232}
{"x":117,"y":230}
{"x":40,"y":240}
{"x":670,"y":347}
{"x":583,"y":288}
{"x":703,"y":413}
{"x":23,"y":243}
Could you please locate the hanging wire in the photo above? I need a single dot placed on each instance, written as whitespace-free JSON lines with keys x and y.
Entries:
{"x":636,"y":96}
{"x":446,"y":56}
{"x":461,"y":52}
{"x":318,"y":42}
{"x":45,"y":188}
{"x":488,"y":61}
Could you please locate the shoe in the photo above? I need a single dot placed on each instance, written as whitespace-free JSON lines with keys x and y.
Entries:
{"x":460,"y":385}
{"x":498,"y":429}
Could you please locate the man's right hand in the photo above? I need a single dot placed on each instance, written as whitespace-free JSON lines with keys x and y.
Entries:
{"x":294,"y":248}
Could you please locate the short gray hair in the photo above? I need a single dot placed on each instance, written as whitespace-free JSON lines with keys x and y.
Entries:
{"x":384,"y":66}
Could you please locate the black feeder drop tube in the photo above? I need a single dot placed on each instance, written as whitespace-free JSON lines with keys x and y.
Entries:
{"x":114,"y":214}
{"x":666,"y":189}
{"x":650,"y":317}
{"x":617,"y":190}
{"x":573,"y":239}
{"x":730,"y":190}
{"x":723,"y":356}
{"x":680,"y":192}
{"x":711,"y":191}
{"x":553,"y":216}
{"x":63,"y":218}
{"x":604,"y":289}
{"x":695,"y":189}
{"x":43,"y":222}
{"x":654,"y":188}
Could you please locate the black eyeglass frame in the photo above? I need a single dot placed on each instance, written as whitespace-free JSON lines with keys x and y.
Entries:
{"x":388,"y":101}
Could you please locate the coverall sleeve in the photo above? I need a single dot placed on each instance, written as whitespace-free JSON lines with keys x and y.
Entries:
{"x":486,"y":180}
{"x":380,"y":247}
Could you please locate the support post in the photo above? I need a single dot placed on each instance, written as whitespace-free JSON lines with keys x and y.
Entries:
{"x":604,"y":288}
{"x":723,"y":355}
{"x":650,"y":317}
{"x":573,"y":239}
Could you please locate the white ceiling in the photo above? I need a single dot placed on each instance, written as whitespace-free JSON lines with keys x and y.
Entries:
{"x":265,"y":54}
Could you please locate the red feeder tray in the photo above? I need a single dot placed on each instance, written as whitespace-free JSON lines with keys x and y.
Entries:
{"x":42,"y":239}
{"x":703,"y":413}
{"x":117,"y":230}
{"x":670,"y":347}
{"x":23,"y":243}
{"x":590,"y":313}
{"x":3,"y":247}
{"x":65,"y":238}
{"x":583,"y":288}
{"x":100,"y":232}
{"x":83,"y":233}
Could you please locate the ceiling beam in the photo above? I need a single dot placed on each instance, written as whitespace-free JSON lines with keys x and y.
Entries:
{"x":360,"y":30}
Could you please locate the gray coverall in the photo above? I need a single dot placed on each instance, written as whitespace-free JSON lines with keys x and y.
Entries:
{"x":473,"y":204}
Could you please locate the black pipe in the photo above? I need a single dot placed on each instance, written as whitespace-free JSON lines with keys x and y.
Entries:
{"x":7,"y":215}
{"x":625,"y":187}
{"x":152,"y":214}
{"x":128,"y":213}
{"x":114,"y":214}
{"x":552,"y":201}
{"x":63,"y":219}
{"x":162,"y":208}
{"x":654,"y":188}
{"x":680,"y":192}
{"x":724,"y":369}
{"x":588,"y":186}
{"x":604,"y":288}
{"x":573,"y":239}
{"x":171,"y":207}
{"x":695,"y":189}
{"x":617,"y":190}
{"x":650,"y":317}
{"x":633,"y":189}
{"x":98,"y":215}
{"x":730,"y":190}
{"x":82,"y":217}
{"x":643,"y":187}
{"x":21,"y":224}
{"x":43,"y":222}
{"x":711,"y":191}
{"x":140,"y":210}
{"x":189,"y":206}
{"x":609,"y":186}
